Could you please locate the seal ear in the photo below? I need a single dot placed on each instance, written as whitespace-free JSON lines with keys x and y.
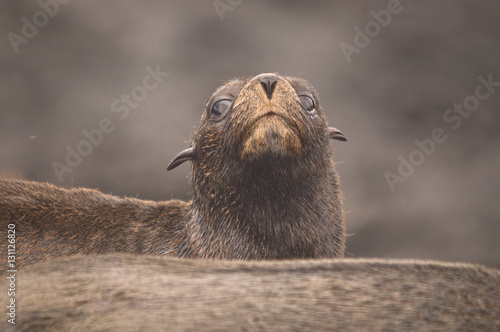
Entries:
{"x":336,"y":134}
{"x":185,"y":155}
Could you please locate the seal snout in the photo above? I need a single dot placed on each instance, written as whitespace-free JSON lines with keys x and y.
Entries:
{"x":271,"y":123}
{"x":268,"y":82}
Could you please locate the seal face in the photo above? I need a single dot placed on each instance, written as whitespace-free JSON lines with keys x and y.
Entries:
{"x":271,"y":123}
{"x":264,"y":118}
{"x":264,"y":183}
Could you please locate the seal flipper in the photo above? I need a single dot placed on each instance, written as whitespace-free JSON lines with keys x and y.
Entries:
{"x":336,"y":134}
{"x":185,"y":155}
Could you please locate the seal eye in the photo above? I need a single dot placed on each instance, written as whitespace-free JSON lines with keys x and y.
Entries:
{"x":307,"y":104}
{"x":220,"y":108}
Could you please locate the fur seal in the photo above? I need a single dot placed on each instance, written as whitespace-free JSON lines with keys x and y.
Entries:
{"x":119,"y":292}
{"x":264,"y":181}
{"x":264,"y":187}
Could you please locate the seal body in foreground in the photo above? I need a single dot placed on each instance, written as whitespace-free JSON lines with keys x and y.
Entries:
{"x":264,"y":187}
{"x":120,"y":292}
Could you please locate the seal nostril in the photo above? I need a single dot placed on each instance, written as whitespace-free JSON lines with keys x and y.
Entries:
{"x":268,"y":83}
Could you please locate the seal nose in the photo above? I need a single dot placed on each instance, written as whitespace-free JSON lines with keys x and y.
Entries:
{"x":268,"y":82}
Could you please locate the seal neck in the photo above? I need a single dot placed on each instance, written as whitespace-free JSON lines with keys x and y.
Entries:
{"x":283,"y":211}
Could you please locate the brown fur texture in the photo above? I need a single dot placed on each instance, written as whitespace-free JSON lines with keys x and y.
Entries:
{"x":264,"y":187}
{"x":146,"y":293}
{"x":53,"y":222}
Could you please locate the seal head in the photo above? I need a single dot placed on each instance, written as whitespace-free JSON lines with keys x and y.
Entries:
{"x":266,"y":122}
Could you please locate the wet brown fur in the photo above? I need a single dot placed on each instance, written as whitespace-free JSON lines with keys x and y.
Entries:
{"x":145,"y":293}
{"x":264,"y":183}
{"x":52,"y":222}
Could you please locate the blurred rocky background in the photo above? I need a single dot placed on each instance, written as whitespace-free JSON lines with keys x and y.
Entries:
{"x":388,"y":73}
